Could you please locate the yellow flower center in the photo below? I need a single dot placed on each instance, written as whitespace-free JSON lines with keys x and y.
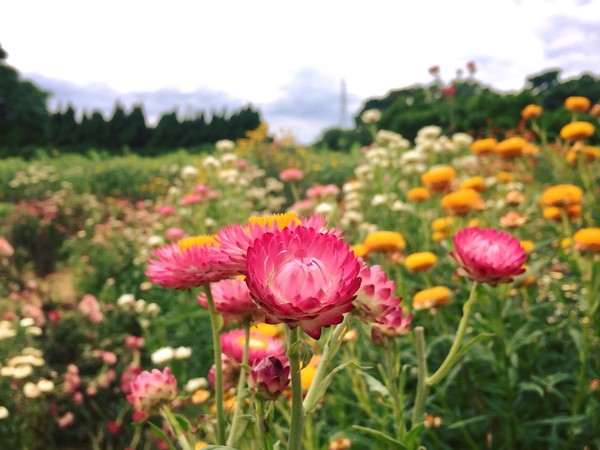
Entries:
{"x":197,"y":241}
{"x":256,"y":343}
{"x":281,"y":220}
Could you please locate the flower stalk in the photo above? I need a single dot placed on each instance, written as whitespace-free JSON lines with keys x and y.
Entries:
{"x":241,"y":391}
{"x":297,"y":418}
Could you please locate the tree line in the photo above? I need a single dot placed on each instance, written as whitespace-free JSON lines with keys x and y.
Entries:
{"x":26,"y":124}
{"x":466,"y":105}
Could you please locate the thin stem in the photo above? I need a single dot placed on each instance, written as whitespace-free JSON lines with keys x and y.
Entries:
{"x":295,"y":438}
{"x":422,"y":388}
{"x":391,"y":371}
{"x":329,"y":350}
{"x":462,"y":326}
{"x":216,"y":337}
{"x":235,"y":423}
{"x":261,"y":424}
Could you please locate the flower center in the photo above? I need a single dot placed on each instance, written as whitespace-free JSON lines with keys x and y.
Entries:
{"x":197,"y":241}
{"x":302,"y":276}
{"x":281,"y":220}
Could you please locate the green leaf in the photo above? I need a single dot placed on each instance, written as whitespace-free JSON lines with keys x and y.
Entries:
{"x":218,"y":447}
{"x":375,"y":385}
{"x":161,"y":435}
{"x":309,"y":408}
{"x":380,"y":434}
{"x":466,"y":422}
{"x":532,"y":387}
{"x":301,"y":349}
{"x":413,"y":435}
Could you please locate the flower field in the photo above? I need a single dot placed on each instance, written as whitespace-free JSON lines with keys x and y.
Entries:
{"x":440,"y":293}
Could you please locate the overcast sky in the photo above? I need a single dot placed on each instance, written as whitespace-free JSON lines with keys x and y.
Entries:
{"x":286,"y":58}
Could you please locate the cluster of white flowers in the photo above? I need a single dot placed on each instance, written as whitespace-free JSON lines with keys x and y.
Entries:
{"x":22,"y":366}
{"x":371,"y":116}
{"x":352,"y":214}
{"x":34,"y":174}
{"x":189,"y":172}
{"x":6,"y":330}
{"x":128,"y":302}
{"x":166,"y":354}
{"x":196,"y":383}
{"x":225,"y":145}
{"x":28,"y":324}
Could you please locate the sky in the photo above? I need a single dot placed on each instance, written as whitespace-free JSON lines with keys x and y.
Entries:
{"x":286,"y":58}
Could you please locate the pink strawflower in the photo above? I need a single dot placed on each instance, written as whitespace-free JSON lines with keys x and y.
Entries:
{"x":150,"y":389}
{"x":233,"y":301}
{"x":303,"y":206}
{"x":375,"y":298}
{"x":134,"y":342}
{"x":291,"y":175}
{"x":113,"y":427}
{"x":230,"y":370}
{"x":394,"y":324}
{"x":66,"y":420}
{"x":261,"y":346}
{"x":128,"y":376}
{"x":320,"y":192}
{"x":90,"y":307}
{"x":235,"y":239}
{"x":5,"y":248}
{"x":269,"y":377}
{"x":174,"y":234}
{"x":71,"y":381}
{"x":488,"y":255}
{"x":190,"y":263}
{"x":166,"y":210}
{"x":303,"y":278}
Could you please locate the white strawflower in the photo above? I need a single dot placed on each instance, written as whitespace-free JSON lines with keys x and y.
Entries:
{"x":3,"y":412}
{"x":196,"y":383}
{"x":34,"y":331}
{"x":7,"y":371}
{"x":7,"y":333}
{"x":45,"y":385}
{"x":162,"y":355}
{"x":379,"y":199}
{"x":189,"y":172}
{"x":31,"y":390}
{"x":210,"y":162}
{"x":22,"y":371}
{"x":152,"y":308}
{"x":228,"y":158}
{"x":32,"y":351}
{"x":413,"y":156}
{"x":371,"y":116}
{"x":324,"y":208}
{"x":182,"y":352}
{"x":27,"y":322}
{"x":126,"y":300}
{"x":462,"y":141}
{"x":140,"y":306}
{"x":155,"y":241}
{"x":429,"y":132}
{"x":224,"y":145}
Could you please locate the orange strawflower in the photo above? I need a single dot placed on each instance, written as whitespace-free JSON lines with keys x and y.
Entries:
{"x":384,"y":241}
{"x":504,"y":177}
{"x":531,"y":112}
{"x":442,"y":224}
{"x":528,"y":246}
{"x":587,"y":240}
{"x":418,"y":194}
{"x":360,"y":250}
{"x":555,"y":213}
{"x":562,"y":195}
{"x":576,"y":131}
{"x":483,"y":146}
{"x":512,"y":219}
{"x":515,"y":198}
{"x":461,"y":202}
{"x":511,"y":147}
{"x":588,"y":153}
{"x":477,"y":183}
{"x":431,"y":298}
{"x":438,"y":179}
{"x":577,"y":104}
{"x":421,"y":261}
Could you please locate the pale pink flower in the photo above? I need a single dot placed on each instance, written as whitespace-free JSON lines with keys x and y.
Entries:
{"x":291,"y":175}
{"x":230,"y":373}
{"x":5,"y":248}
{"x":71,"y":380}
{"x":269,"y":377}
{"x":303,"y":278}
{"x":319,"y":192}
{"x":134,"y":342}
{"x":393,"y":324}
{"x":191,"y":199}
{"x":175,"y":267}
{"x":66,"y":420}
{"x":303,"y":206}
{"x":149,"y":390}
{"x":375,"y":298}
{"x":174,"y":234}
{"x":90,"y":307}
{"x":233,"y":301}
{"x":35,"y":313}
{"x":166,"y":210}
{"x":128,"y":376}
{"x":109,"y":358}
{"x":488,"y":255}
{"x":260,"y":346}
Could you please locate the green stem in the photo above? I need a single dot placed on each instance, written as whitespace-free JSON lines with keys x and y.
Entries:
{"x":422,"y":387}
{"x":235,"y":423}
{"x":391,"y":371}
{"x":451,"y":357}
{"x":261,"y":424}
{"x":329,"y":350}
{"x":216,"y":337}
{"x":295,"y":438}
